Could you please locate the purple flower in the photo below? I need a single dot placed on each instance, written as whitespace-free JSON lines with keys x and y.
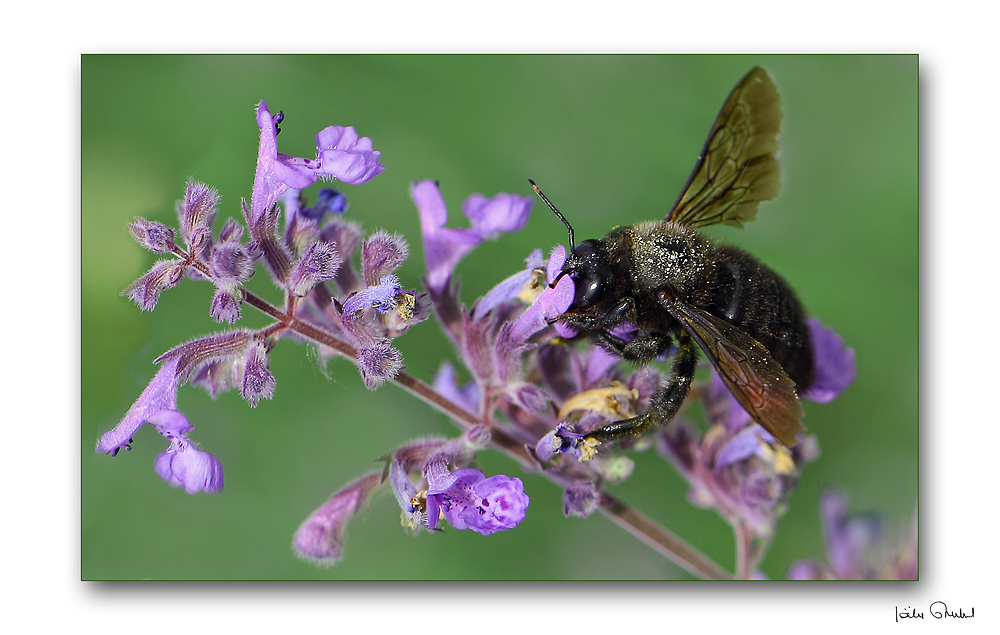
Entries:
{"x":379,"y":362}
{"x":276,"y":172}
{"x":563,"y":440}
{"x":230,"y":262}
{"x":381,"y":254}
{"x":512,"y":287}
{"x":328,"y":201}
{"x":551,"y":302}
{"x":320,"y":262}
{"x":340,"y":154}
{"x":145,"y":292}
{"x":445,"y":247}
{"x":257,"y":379}
{"x":395,"y":312}
{"x":835,"y":365}
{"x":183,"y":464}
{"x":469,"y":500}
{"x":196,"y":213}
{"x":225,"y":307}
{"x":345,"y":157}
{"x":160,"y":394}
{"x":152,"y":235}
{"x":446,"y":383}
{"x":581,"y":499}
{"x":504,"y":212}
{"x":319,"y":539}
{"x":381,"y":296}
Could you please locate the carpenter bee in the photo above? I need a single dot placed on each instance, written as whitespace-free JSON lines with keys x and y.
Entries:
{"x":672,"y":284}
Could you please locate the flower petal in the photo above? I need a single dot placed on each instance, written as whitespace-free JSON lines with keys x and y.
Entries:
{"x":345,"y":157}
{"x":184,"y":464}
{"x":160,"y":394}
{"x":501,"y":213}
{"x":835,"y":365}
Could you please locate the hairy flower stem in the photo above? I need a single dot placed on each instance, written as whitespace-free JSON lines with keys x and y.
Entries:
{"x":744,"y":551}
{"x":657,"y":537}
{"x":749,"y":550}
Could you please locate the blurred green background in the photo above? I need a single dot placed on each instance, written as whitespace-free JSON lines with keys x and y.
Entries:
{"x":611,"y":140}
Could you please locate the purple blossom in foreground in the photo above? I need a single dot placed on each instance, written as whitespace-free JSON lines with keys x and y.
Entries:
{"x":855,"y":548}
{"x":467,"y":499}
{"x":346,"y":157}
{"x":563,"y":440}
{"x":417,"y":458}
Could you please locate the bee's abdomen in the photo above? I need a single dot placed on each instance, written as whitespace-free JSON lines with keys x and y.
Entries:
{"x":755,"y":298}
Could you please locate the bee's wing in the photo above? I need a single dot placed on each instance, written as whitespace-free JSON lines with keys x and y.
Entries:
{"x":737,"y":168}
{"x":758,"y":382}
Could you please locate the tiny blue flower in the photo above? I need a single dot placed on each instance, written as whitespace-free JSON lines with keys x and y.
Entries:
{"x":381,"y":296}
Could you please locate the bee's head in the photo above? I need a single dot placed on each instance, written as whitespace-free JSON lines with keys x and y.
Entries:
{"x":591,"y":270}
{"x":588,"y":264}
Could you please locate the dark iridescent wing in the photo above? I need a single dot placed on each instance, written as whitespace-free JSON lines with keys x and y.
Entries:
{"x":737,"y":168}
{"x":758,"y":382}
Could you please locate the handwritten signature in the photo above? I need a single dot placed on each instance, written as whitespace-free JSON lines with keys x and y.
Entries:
{"x":938,"y":610}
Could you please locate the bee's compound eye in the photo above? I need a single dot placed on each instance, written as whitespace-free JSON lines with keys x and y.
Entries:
{"x":589,"y":290}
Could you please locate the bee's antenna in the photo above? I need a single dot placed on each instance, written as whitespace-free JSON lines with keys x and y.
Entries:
{"x":572,"y":243}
